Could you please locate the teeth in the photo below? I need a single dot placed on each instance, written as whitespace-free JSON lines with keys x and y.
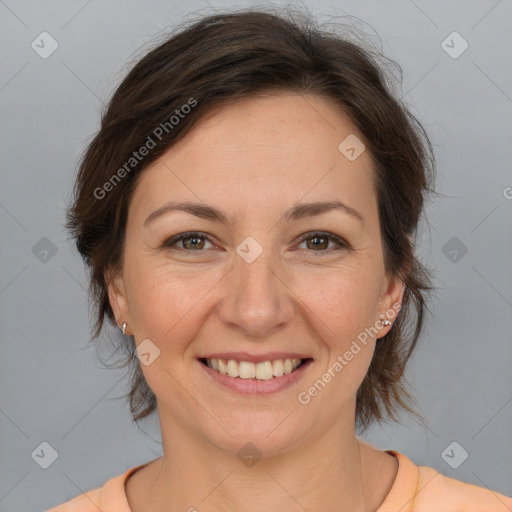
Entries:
{"x":232,"y":368}
{"x":223,"y":367}
{"x":278,"y":368}
{"x":247,"y":370}
{"x":264,"y":370}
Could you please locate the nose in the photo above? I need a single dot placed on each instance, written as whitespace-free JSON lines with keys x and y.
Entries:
{"x":257,"y":301}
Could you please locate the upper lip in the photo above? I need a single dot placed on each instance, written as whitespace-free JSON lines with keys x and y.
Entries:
{"x":255,"y":358}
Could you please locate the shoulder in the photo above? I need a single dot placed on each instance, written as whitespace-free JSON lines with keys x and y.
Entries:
{"x":111,"y":496}
{"x":423,"y":489}
{"x":444,"y":494}
{"x":90,"y":501}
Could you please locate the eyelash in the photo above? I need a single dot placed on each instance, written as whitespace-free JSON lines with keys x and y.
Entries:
{"x":343,"y":245}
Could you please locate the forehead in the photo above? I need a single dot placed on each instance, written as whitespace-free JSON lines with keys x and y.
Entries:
{"x":263,"y":152}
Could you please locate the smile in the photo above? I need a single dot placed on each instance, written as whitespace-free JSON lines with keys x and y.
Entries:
{"x":264,"y":370}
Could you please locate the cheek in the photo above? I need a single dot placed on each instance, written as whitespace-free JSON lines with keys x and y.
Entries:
{"x":166,"y":309}
{"x":345,"y":300}
{"x":343,"y":307}
{"x":164,"y":305}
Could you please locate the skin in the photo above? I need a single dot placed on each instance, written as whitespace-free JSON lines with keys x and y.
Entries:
{"x":254,"y":160}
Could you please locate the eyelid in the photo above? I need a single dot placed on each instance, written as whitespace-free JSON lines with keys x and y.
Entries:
{"x":170,"y":242}
{"x":342,"y":244}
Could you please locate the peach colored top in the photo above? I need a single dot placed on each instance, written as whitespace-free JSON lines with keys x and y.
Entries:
{"x":415,"y":489}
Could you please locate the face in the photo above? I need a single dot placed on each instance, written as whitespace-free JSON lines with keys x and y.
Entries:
{"x":261,"y":278}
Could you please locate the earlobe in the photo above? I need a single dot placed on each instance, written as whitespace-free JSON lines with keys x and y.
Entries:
{"x":391,"y":301}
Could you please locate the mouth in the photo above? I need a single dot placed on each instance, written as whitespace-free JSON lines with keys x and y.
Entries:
{"x":260,"y":371}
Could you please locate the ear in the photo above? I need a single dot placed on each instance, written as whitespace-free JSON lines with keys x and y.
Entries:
{"x":390,"y":301}
{"x":118,"y":298}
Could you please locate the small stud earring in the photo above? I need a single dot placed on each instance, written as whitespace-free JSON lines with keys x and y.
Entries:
{"x":124,"y":327}
{"x":386,"y":322}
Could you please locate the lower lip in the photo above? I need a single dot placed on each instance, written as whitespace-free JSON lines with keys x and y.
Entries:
{"x":256,"y":386}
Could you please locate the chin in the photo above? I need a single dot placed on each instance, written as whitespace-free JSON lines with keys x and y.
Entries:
{"x":258,"y":435}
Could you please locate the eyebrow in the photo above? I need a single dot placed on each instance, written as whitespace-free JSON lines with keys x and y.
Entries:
{"x":297,"y":212}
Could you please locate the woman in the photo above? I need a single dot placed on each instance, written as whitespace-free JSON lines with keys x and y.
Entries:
{"x":248,"y":212}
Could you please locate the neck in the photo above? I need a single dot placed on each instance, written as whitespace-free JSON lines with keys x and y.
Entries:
{"x":322,"y":473}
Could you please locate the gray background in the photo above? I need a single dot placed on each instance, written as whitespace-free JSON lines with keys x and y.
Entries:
{"x":52,"y":386}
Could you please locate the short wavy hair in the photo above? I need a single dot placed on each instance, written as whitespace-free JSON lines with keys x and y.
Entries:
{"x":222,"y":58}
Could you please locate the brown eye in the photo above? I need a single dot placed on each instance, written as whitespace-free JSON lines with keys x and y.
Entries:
{"x":319,"y":242}
{"x":190,"y":242}
{"x":193,"y":242}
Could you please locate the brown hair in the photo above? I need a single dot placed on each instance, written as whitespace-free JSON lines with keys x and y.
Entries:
{"x":226,"y":57}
